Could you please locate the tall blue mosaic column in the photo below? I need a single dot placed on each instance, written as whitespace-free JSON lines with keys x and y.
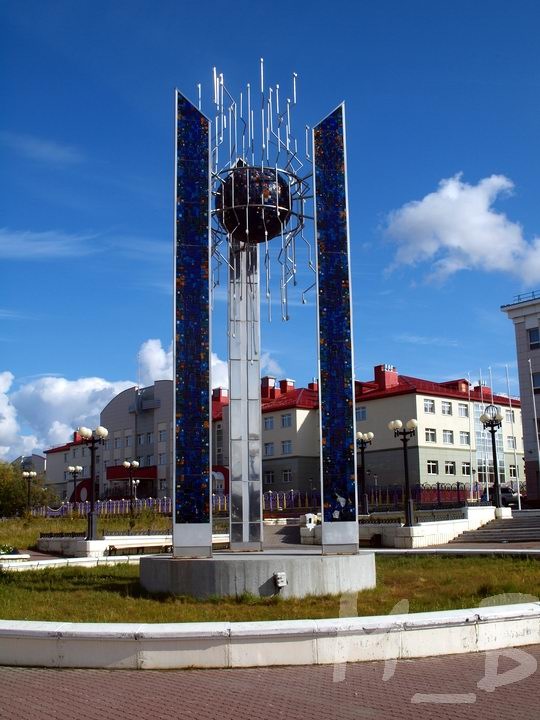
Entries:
{"x":192,"y":528}
{"x":334,"y":309}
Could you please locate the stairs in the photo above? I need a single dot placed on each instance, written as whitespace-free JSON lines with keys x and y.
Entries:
{"x":523,"y":527}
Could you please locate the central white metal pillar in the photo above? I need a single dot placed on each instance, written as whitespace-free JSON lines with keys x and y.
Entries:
{"x":244,"y":398}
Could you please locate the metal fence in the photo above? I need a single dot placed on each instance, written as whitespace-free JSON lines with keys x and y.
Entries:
{"x":389,"y":497}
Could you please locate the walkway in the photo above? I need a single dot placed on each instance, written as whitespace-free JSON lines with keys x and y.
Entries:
{"x":443,"y":687}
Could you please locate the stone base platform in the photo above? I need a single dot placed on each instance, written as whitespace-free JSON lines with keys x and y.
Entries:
{"x":264,"y":574}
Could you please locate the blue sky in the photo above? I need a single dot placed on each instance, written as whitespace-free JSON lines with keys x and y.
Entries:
{"x":442,"y":103}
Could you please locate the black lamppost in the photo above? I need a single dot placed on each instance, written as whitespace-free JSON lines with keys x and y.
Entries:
{"x":131,"y":465}
{"x":492,"y":421}
{"x":74,"y":471}
{"x":405,"y":434}
{"x":363,"y":440}
{"x":29,"y":475}
{"x":92,"y":438}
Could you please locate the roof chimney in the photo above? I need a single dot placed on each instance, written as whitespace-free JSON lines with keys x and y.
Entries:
{"x":220,"y":394}
{"x":386,"y":376}
{"x":268,"y":383}
{"x":286,"y":386}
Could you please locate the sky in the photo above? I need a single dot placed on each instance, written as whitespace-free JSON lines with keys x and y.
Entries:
{"x":442,"y":105}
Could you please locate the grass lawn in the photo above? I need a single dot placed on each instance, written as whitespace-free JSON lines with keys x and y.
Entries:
{"x":113,"y":594}
{"x":23,"y":533}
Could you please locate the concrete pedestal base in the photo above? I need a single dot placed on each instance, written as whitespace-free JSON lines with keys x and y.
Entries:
{"x":232,"y":574}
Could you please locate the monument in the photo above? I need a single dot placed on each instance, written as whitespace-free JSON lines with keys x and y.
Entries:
{"x":245,"y":194}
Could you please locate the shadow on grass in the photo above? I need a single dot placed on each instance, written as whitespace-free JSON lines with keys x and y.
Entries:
{"x":82,"y":580}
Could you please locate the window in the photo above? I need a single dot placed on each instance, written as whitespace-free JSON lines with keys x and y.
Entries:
{"x":511,"y":442}
{"x":361,"y":413}
{"x":149,"y":460}
{"x":286,"y":476}
{"x":140,"y":439}
{"x":269,"y":423}
{"x":513,"y":471}
{"x":129,"y":440}
{"x":74,"y":453}
{"x":463,"y":410}
{"x":286,"y":420}
{"x":219,"y":438}
{"x":431,"y":435}
{"x":268,"y":449}
{"x":448,"y":437}
{"x":449,"y":467}
{"x":534,"y":338}
{"x":536,"y":382}
{"x":429,"y":405}
{"x":465,"y":468}
{"x":163,"y":484}
{"x":117,"y":443}
{"x":150,"y":438}
{"x":163,"y":434}
{"x":286,"y":447}
{"x":464,"y":438}
{"x":66,"y":455}
{"x":446,"y":407}
{"x":162,"y":458}
{"x":83,"y":451}
{"x":432,"y":467}
{"x":509,"y":416}
{"x":269,"y":477}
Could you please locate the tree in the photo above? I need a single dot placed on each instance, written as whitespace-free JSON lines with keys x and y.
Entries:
{"x":13,"y":490}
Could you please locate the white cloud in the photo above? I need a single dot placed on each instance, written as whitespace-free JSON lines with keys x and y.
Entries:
{"x":29,"y":245}
{"x":54,"y":406}
{"x":456,"y":228}
{"x":424,"y":340}
{"x":155,"y":363}
{"x":47,"y":151}
{"x":50,"y":408}
{"x":270,"y":365}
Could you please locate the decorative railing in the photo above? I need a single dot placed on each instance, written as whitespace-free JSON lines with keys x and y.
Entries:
{"x":389,"y":497}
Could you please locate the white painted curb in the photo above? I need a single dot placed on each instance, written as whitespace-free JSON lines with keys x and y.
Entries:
{"x":248,"y":644}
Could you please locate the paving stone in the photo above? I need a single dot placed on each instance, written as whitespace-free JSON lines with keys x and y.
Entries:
{"x":355,"y":691}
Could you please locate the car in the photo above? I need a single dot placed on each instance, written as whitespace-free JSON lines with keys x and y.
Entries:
{"x":509,"y":497}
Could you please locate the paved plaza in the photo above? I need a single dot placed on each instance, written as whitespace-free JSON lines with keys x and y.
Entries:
{"x":442,"y":688}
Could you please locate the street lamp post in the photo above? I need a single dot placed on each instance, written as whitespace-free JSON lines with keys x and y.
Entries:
{"x":131,"y":465}
{"x":74,"y":471}
{"x":491,"y":419}
{"x":92,"y":438}
{"x":363,"y":440}
{"x":29,"y":475}
{"x":405,"y":434}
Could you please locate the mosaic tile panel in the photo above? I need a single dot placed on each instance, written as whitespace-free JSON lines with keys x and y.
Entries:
{"x":192,"y":318}
{"x":335,"y":338}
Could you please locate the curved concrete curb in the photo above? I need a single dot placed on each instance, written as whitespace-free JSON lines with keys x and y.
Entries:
{"x":248,"y":644}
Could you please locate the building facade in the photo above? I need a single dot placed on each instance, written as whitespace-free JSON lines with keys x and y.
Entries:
{"x":525,"y":314}
{"x":60,"y":480}
{"x":450,"y":444}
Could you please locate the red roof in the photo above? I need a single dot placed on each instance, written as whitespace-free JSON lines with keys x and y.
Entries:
{"x":217,"y":408}
{"x":63,"y":448}
{"x":458,"y":389}
{"x":296,"y":398}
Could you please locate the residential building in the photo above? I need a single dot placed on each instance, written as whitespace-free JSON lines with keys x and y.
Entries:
{"x":525,"y":314}
{"x":450,"y":443}
{"x":31,"y":462}
{"x":60,"y":480}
